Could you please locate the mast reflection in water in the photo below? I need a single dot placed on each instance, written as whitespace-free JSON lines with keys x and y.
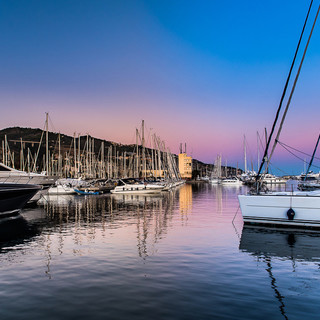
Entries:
{"x":173,"y":255}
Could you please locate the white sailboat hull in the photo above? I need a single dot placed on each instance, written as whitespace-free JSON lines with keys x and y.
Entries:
{"x":272,"y":209}
{"x":60,"y":189}
{"x":230,"y":182}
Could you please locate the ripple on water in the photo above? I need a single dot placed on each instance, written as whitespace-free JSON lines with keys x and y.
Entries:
{"x":177,"y":256}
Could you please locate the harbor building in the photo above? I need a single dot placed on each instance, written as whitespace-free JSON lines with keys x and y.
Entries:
{"x":185,"y":166}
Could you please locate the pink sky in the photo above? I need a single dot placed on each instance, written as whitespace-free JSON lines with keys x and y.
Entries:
{"x":195,"y":78}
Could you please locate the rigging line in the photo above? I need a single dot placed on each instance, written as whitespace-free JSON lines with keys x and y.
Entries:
{"x":297,"y":156}
{"x":261,"y":143}
{"x":278,"y":168}
{"x":304,"y":153}
{"x":50,"y":121}
{"x":293,"y":88}
{"x":283,"y":146}
{"x":311,"y":160}
{"x":283,"y":95}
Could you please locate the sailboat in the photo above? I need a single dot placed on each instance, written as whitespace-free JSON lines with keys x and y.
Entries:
{"x":216,"y":173}
{"x":293,"y":208}
{"x":13,"y":176}
{"x":135,"y":186}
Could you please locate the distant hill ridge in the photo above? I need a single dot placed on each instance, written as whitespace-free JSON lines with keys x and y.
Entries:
{"x":31,"y":138}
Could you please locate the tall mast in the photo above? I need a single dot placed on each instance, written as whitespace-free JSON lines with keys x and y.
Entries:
{"x":87,"y":156}
{"x":143,"y":152}
{"x":125,"y":164}
{"x":3,"y":153}
{"x":47,"y":143}
{"x":292,"y":90}
{"x":102,"y":172}
{"x":21,"y":156}
{"x":59,"y":158}
{"x":93,"y":158}
{"x":79,"y":159}
{"x":245,"y":154}
{"x":258,"y":154}
{"x":6,"y":148}
{"x":74,"y":154}
{"x":137,"y":155}
{"x":314,"y":152}
{"x":28,"y":160}
{"x":265,"y":156}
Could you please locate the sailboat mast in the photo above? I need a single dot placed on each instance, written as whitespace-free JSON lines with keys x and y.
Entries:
{"x":311,"y":160}
{"x":292,"y":89}
{"x":245,"y":154}
{"x":264,"y":158}
{"x":258,"y":154}
{"x":137,"y":155}
{"x":21,"y":156}
{"x":59,"y":158}
{"x":47,"y":143}
{"x":143,"y":152}
{"x":79,"y":160}
{"x":74,"y":154}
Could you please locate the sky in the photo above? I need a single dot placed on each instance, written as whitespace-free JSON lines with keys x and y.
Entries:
{"x":204,"y":73}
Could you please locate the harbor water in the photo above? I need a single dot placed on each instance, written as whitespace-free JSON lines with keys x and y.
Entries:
{"x":183,"y":254}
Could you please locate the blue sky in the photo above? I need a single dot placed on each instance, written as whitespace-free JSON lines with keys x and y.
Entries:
{"x":200,"y":72}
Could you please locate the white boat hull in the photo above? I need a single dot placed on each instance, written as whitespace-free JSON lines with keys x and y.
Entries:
{"x":227,"y":183}
{"x":59,"y":189}
{"x":231,"y":182}
{"x":135,"y":191}
{"x":272,"y":209}
{"x":274,"y":181}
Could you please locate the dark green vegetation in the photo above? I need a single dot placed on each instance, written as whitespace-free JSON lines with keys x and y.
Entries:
{"x":33,"y":141}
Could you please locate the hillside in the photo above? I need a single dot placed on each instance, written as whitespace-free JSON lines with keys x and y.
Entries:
{"x":28,"y":140}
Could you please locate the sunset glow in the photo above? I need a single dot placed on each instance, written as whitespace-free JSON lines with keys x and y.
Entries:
{"x":203,"y":73}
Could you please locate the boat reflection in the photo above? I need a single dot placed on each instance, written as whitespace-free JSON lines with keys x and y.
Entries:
{"x":271,"y":245}
{"x":136,"y":199}
{"x":96,"y":217}
{"x":286,"y":243}
{"x":16,"y":231}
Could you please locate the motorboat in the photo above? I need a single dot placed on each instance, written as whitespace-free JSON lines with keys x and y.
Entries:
{"x":61,"y":189}
{"x":86,"y":192}
{"x":14,"y":176}
{"x":14,"y":196}
{"x":309,"y":185}
{"x":214,"y":181}
{"x":310,"y":176}
{"x":133,"y":185}
{"x":267,"y":178}
{"x":11,"y":175}
{"x":232,"y":181}
{"x":272,"y":179}
{"x":204,"y":179}
{"x":98,"y":185}
{"x":309,"y":181}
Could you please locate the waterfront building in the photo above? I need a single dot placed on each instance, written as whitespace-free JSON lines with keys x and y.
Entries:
{"x":185,"y":166}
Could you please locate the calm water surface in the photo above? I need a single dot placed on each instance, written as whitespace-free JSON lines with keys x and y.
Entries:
{"x":181,"y":255}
